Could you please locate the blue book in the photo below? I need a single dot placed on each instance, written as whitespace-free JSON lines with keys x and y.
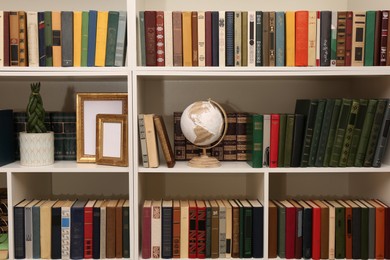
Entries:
{"x":229,"y":40}
{"x":259,"y":38}
{"x":215,"y":38}
{"x":56,"y":231}
{"x":91,"y":38}
{"x":77,"y":230}
{"x":257,"y":228}
{"x":280,"y":39}
{"x":41,"y":39}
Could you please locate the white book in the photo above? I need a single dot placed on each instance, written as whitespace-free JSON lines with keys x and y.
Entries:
{"x":222,"y":49}
{"x":222,"y":229}
{"x":318,"y":41}
{"x":201,"y":39}
{"x":1,"y":38}
{"x":333,"y":41}
{"x":103,"y":226}
{"x":312,"y":40}
{"x":32,"y":36}
{"x":251,"y":39}
{"x":237,"y":38}
{"x":332,"y":229}
{"x":28,"y":228}
{"x":151,"y":142}
{"x":156,"y":229}
{"x":229,"y":227}
{"x":65,"y":230}
{"x":266,"y":139}
{"x":142,"y":138}
{"x":184,"y":228}
{"x":168,"y":38}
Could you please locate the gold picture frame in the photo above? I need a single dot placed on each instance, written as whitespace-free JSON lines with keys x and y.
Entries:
{"x":111,"y":140}
{"x":88,"y":106}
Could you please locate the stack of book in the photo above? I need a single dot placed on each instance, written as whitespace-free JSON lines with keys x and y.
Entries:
{"x":202,"y":229}
{"x":329,"y":229}
{"x":257,"y":38}
{"x":76,"y":229}
{"x":63,"y":38}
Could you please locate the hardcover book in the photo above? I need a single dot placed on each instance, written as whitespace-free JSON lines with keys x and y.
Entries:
{"x":7,"y":137}
{"x":146,"y":229}
{"x":166,"y":229}
{"x":76,"y":229}
{"x":112,"y":34}
{"x":164,"y":140}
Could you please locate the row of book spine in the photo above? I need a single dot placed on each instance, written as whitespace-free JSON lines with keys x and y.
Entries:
{"x":72,"y":229}
{"x":257,"y":38}
{"x":63,"y":38}
{"x":202,"y":229}
{"x":329,"y":229}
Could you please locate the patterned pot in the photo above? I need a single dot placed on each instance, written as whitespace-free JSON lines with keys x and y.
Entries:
{"x":36,"y":149}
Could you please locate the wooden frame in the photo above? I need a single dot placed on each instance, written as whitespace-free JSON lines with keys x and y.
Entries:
{"x":89,"y":105}
{"x":111,"y":140}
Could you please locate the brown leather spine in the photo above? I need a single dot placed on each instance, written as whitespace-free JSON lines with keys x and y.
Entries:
{"x":194,"y":17}
{"x":150,"y":38}
{"x":177,"y":39}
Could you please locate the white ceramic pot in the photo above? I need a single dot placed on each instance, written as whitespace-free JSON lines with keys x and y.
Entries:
{"x":36,"y":149}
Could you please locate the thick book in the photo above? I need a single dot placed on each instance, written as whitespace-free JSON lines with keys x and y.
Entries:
{"x":164,"y":140}
{"x":88,"y":228}
{"x":112,"y":34}
{"x":222,"y":229}
{"x":230,"y":140}
{"x":247,"y":222}
{"x":41,"y":39}
{"x":383,"y":136}
{"x":92,"y":23}
{"x":208,"y":228}
{"x":370,"y":236}
{"x":32,"y":39}
{"x":103,"y":228}
{"x":298,"y":253}
{"x":290,"y":236}
{"x":377,"y":37}
{"x":215,"y":38}
{"x":14,"y":38}
{"x":77,"y":230}
{"x":166,"y":229}
{"x":252,"y":39}
{"x":244,"y":38}
{"x":146,"y":229}
{"x":125,"y":225}
{"x":255,"y":140}
{"x":111,"y":228}
{"x":208,"y":38}
{"x":301,"y":38}
{"x":387,"y":227}
{"x":142,"y":138}
{"x":325,"y":38}
{"x":281,"y":231}
{"x":193,"y":229}
{"x":358,"y":35}
{"x":57,"y":41}
{"x":307,"y":215}
{"x":235,"y":229}
{"x":348,"y":228}
{"x":28,"y":220}
{"x":176,"y":222}
{"x":384,"y":38}
{"x":214,"y":229}
{"x":228,"y":228}
{"x":290,"y":38}
{"x":282,"y":139}
{"x":379,"y":229}
{"x":316,"y":230}
{"x":259,"y":38}
{"x":65,"y":229}
{"x":356,"y":229}
{"x":187,"y":38}
{"x":369,"y":41}
{"x":201,"y":39}
{"x":312,"y":38}
{"x":237,"y":38}
{"x":101,"y":39}
{"x":177,"y":38}
{"x":201,"y":229}
{"x":266,"y":139}
{"x":339,"y":236}
{"x":84,"y":38}
{"x":331,"y":230}
{"x":221,"y":39}
{"x":257,"y":228}
{"x":324,"y":228}
{"x":271,"y":39}
{"x":150,"y":38}
{"x":23,"y":49}
{"x":19,"y":229}
{"x":333,"y":39}
{"x":156,"y":229}
{"x":280,"y":39}
{"x":36,"y":229}
{"x":364,"y":218}
{"x":340,"y":38}
{"x":168,"y":38}
{"x":48,"y":38}
{"x":272,"y":230}
{"x":241,"y":126}
{"x":179,"y":141}
{"x":7,"y":137}
{"x":348,"y":38}
{"x":288,"y":140}
{"x":194,"y":35}
{"x":151,"y":142}
{"x":56,"y":234}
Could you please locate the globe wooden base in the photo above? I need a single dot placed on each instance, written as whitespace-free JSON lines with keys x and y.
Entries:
{"x":204,"y":161}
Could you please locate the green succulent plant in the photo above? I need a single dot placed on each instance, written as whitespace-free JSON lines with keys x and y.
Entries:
{"x":35,"y":111}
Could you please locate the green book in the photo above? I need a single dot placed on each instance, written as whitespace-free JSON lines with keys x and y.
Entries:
{"x":255,"y":140}
{"x":282,"y":139}
{"x":348,"y":133}
{"x":332,"y":132}
{"x":370,"y":39}
{"x":339,"y":229}
{"x":341,"y":128}
{"x":281,"y":229}
{"x":357,"y":131}
{"x":248,"y":218}
{"x":126,"y":230}
{"x":289,"y":140}
{"x":84,"y":38}
{"x":308,"y":108}
{"x":244,"y":38}
{"x":48,"y":38}
{"x":317,"y":132}
{"x":325,"y":126}
{"x":112,"y":32}
{"x":374,"y":134}
{"x":363,"y":230}
{"x":141,"y":20}
{"x":242,"y":226}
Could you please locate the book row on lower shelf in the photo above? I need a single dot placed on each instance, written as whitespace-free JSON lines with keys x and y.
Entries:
{"x":259,"y":38}
{"x":63,"y":38}
{"x":72,"y":229}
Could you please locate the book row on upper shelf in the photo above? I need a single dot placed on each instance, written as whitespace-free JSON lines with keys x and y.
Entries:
{"x":256,"y":38}
{"x":79,"y":229}
{"x":63,"y":38}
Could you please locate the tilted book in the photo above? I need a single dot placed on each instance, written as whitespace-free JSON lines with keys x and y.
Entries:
{"x":164,"y":140}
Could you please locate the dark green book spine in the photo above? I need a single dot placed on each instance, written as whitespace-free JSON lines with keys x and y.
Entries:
{"x":282,"y":139}
{"x":126,"y":232}
{"x":255,"y":140}
{"x":370,"y":39}
{"x":242,"y":225}
{"x":48,"y":39}
{"x":342,"y":124}
{"x":375,"y":130}
{"x":340,"y":233}
{"x":281,"y":232}
{"x":317,"y":132}
{"x":289,"y":140}
{"x":248,"y":232}
{"x":208,"y":232}
{"x":325,"y":127}
{"x":364,"y":234}
{"x":348,"y":133}
{"x":84,"y":38}
{"x":366,"y":130}
{"x":332,"y":132}
{"x":112,"y":32}
{"x":357,"y":131}
{"x":383,"y":136}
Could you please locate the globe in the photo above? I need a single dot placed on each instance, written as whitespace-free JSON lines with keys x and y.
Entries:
{"x":203,"y":123}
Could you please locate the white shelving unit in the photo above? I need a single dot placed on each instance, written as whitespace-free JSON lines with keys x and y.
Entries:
{"x":166,"y":90}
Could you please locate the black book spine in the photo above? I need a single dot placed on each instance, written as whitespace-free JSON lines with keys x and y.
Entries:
{"x":96,"y":233}
{"x":215,"y":38}
{"x":259,"y":38}
{"x":19,"y":239}
{"x":166,"y":234}
{"x":307,"y":233}
{"x":77,"y":233}
{"x":383,"y":136}
{"x":41,"y":39}
{"x":229,"y":40}
{"x":258,"y":230}
{"x":7,"y":137}
{"x":299,"y":125}
{"x":56,"y":233}
{"x":356,"y":233}
{"x":208,"y":232}
{"x":326,"y":20}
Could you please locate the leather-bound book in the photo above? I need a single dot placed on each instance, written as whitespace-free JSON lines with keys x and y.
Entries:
{"x":272,"y":230}
{"x":194,"y":31}
{"x":119,"y":229}
{"x":160,"y":34}
{"x":111,"y":228}
{"x":358,"y":35}
{"x":150,"y":38}
{"x":348,"y":38}
{"x":176,"y":229}
{"x":340,"y":40}
{"x":208,"y":39}
{"x":201,"y":232}
{"x":187,"y":38}
{"x":384,"y":38}
{"x":146,"y":229}
{"x":164,"y":140}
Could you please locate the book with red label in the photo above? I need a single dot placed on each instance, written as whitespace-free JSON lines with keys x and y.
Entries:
{"x":316,"y":230}
{"x":193,"y":228}
{"x":201,"y":229}
{"x":290,"y":229}
{"x":301,"y":38}
{"x":160,"y":49}
{"x":348,"y":38}
{"x":274,"y":141}
{"x":150,"y":38}
{"x":88,"y":227}
{"x":146,"y":229}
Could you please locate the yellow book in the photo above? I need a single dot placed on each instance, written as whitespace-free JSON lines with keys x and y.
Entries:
{"x":45,"y":222}
{"x":312,"y":29}
{"x":290,"y":38}
{"x":101,"y":38}
{"x":187,"y":38}
{"x":77,"y":17}
{"x":56,"y":27}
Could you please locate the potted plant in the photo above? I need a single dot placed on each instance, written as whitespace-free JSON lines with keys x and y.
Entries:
{"x":36,"y":144}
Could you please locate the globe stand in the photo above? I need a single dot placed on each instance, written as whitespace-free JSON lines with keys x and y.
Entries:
{"x":204,"y":161}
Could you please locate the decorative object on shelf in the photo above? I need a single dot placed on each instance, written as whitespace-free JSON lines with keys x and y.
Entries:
{"x":89,"y":105}
{"x":36,"y":144}
{"x":111,"y":140}
{"x":204,"y":123}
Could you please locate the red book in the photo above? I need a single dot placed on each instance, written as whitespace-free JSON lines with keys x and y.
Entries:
{"x":301,"y":38}
{"x":6,"y":38}
{"x":201,"y":226}
{"x":298,"y":229}
{"x":290,"y":229}
{"x":387,"y":229}
{"x":208,"y":39}
{"x":160,"y":55}
{"x":384,"y":34}
{"x":150,"y":38}
{"x":88,"y":227}
{"x":274,"y":141}
{"x":348,"y":38}
{"x":316,"y":230}
{"x":193,"y":228}
{"x":377,"y":39}
{"x":176,"y":228}
{"x":146,"y":229}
